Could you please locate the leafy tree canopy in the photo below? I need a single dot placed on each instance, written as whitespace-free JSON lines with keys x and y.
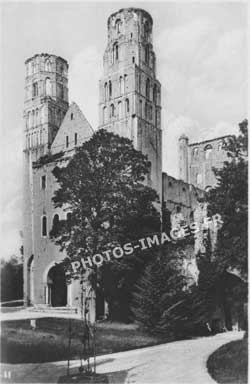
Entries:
{"x":230,"y":199}
{"x":103,"y":187}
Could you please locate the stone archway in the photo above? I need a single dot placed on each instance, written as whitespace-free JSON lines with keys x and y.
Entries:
{"x":57,"y":287}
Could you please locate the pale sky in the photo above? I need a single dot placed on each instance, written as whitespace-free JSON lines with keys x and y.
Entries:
{"x":201,"y":63}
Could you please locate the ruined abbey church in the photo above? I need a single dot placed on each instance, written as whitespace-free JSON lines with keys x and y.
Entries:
{"x":129,"y":105}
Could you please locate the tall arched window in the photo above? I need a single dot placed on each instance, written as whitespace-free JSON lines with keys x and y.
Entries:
{"x":28,"y":120}
{"x":48,"y":65}
{"x":140,"y":108}
{"x":44,"y":226}
{"x":37,"y":116}
{"x":121,"y":85}
{"x":155,"y":94}
{"x":120,"y":109}
{"x":147,"y":54}
{"x":105,"y":91}
{"x":148,"y":89}
{"x":146,"y":111}
{"x":35,"y":89}
{"x":110,"y":89}
{"x":105,"y":114}
{"x":115,"y":52}
{"x":112,"y":110}
{"x":146,"y":30}
{"x":208,"y":149}
{"x":125,"y":83}
{"x":60,"y":91}
{"x":118,"y":25}
{"x":33,"y":118}
{"x":47,"y":87}
{"x":127,"y":106}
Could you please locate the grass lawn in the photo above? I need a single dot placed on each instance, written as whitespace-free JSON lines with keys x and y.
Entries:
{"x":229,"y":363}
{"x":49,"y":341}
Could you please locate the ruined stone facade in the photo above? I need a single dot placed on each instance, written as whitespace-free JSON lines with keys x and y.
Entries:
{"x":129,"y":105}
{"x":197,"y":160}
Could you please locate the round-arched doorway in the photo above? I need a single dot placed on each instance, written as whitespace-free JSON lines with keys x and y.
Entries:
{"x":57,"y":288}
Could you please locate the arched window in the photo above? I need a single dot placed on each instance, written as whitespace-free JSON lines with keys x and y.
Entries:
{"x":110,"y":89}
{"x":33,"y":118}
{"x":150,"y":112}
{"x":35,"y":89}
{"x":208,"y":149}
{"x":44,"y":226}
{"x":115,"y":52}
{"x":112,"y":110}
{"x":118,"y":25}
{"x":67,"y":141}
{"x":198,"y":179}
{"x":28,"y":120}
{"x":133,"y":59}
{"x":127,"y":106}
{"x":148,"y":89}
{"x":55,"y":224}
{"x":125,"y":83}
{"x":155,"y":94}
{"x":60,"y":91}
{"x":105,"y":114}
{"x":146,"y":111}
{"x":47,"y":87}
{"x":140,"y":108}
{"x":37,"y":116}
{"x":120,"y":109}
{"x":146,"y":30}
{"x":75,"y":138}
{"x":195,"y":152}
{"x":121,"y":85}
{"x":48,"y":65}
{"x":147,"y":54}
{"x":105,"y":91}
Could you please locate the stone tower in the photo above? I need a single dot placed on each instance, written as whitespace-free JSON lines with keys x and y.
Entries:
{"x":46,"y":102}
{"x":130,"y":94}
{"x":183,"y":158}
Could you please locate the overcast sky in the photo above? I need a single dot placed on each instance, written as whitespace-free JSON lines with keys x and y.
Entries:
{"x":201,"y":64}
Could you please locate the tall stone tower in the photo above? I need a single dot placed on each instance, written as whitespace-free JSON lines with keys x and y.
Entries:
{"x":46,"y":102}
{"x":183,"y":158}
{"x":130,"y":94}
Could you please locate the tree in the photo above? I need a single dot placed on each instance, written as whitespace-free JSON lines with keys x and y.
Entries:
{"x":161,"y":291}
{"x":11,"y":279}
{"x":103,"y":188}
{"x":230,"y":199}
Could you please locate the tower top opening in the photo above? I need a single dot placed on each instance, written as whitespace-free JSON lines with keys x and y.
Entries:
{"x":131,"y":10}
{"x":46,"y":55}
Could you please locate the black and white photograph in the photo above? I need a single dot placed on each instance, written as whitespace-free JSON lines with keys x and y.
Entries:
{"x":124,"y":192}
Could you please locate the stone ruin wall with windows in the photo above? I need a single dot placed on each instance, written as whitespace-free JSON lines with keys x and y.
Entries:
{"x":197,"y":160}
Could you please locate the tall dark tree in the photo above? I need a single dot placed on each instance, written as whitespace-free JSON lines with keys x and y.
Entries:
{"x":103,"y":187}
{"x":230,"y":199}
